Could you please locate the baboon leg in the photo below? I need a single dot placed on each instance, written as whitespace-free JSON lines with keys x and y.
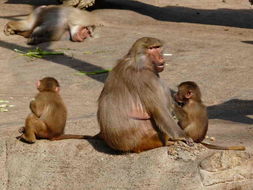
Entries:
{"x":16,"y":27}
{"x":34,"y":127}
{"x":26,"y":34}
{"x":20,"y":26}
{"x":44,"y":33}
{"x":148,"y":143}
{"x":29,"y":130}
{"x":21,"y":130}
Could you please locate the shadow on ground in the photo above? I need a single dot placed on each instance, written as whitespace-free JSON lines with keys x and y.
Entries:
{"x":63,"y":60}
{"x":233,"y":110}
{"x":248,"y":42}
{"x":33,"y":2}
{"x":101,"y":146}
{"x":222,"y":17}
{"x":241,"y":18}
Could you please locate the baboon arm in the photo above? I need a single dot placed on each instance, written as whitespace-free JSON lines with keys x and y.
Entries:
{"x":35,"y":108}
{"x":166,"y":123}
{"x":156,"y":105}
{"x":180,"y":113}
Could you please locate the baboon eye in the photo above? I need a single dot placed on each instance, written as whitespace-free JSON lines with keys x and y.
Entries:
{"x":154,"y":47}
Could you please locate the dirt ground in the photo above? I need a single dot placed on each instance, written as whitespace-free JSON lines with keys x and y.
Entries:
{"x":211,"y":42}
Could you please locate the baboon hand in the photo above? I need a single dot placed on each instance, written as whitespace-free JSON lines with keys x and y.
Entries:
{"x":8,"y":29}
{"x":189,"y":141}
{"x":21,"y":130}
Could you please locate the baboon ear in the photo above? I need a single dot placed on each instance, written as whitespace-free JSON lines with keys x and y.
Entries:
{"x":189,"y":94}
{"x":140,"y":60}
{"x":57,"y":89}
{"x":38,"y":84}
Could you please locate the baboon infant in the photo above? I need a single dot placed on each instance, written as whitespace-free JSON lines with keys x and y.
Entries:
{"x":48,"y":115}
{"x":192,"y":114}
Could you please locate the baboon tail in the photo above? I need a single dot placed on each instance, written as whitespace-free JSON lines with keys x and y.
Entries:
{"x":217,"y":147}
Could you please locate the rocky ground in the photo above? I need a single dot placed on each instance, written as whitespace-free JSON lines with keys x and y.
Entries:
{"x":212,"y":44}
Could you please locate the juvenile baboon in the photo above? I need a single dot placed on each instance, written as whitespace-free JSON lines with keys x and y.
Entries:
{"x":48,"y":114}
{"x":192,"y":114}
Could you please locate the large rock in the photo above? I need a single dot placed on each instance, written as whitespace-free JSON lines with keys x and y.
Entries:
{"x":79,"y":164}
{"x":227,"y":170}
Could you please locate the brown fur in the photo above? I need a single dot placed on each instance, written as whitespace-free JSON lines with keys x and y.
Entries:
{"x":48,"y":114}
{"x":133,"y":108}
{"x":192,"y":114}
{"x":49,"y":23}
